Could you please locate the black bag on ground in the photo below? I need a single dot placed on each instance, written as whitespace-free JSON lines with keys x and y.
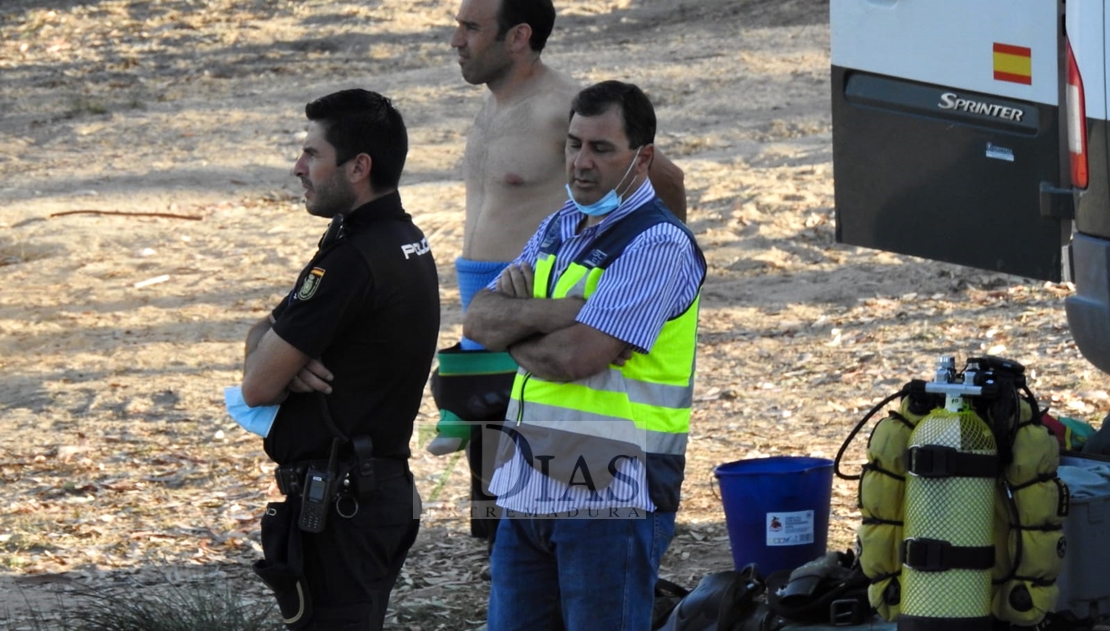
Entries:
{"x":282,"y":568}
{"x":722,"y":601}
{"x":667,"y":596}
{"x":831,"y":589}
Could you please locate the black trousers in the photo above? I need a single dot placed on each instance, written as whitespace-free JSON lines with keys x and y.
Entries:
{"x":352,"y":565}
{"x":480,"y":454}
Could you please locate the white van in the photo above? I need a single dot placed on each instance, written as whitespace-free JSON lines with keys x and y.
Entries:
{"x":975,"y":132}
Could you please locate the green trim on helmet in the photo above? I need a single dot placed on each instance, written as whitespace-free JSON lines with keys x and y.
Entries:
{"x":474,"y":362}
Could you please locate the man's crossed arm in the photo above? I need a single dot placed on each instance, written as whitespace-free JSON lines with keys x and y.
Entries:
{"x":273,"y":368}
{"x":541,"y":334}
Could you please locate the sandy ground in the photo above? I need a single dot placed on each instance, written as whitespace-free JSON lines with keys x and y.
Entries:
{"x":118,"y":333}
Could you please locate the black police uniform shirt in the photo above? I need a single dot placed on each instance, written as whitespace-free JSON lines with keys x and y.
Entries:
{"x":367,"y":306}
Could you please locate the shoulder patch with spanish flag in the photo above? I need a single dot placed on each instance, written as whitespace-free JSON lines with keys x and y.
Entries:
{"x":310,"y":283}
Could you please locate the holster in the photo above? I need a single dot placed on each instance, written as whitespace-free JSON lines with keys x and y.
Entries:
{"x":282,"y":565}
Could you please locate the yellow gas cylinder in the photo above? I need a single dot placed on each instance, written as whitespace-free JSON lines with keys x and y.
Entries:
{"x":948,"y":550}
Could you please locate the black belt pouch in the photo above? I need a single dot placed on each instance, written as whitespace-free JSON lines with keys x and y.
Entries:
{"x":282,"y":568}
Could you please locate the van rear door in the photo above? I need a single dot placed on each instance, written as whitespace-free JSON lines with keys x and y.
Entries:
{"x":949,"y":141}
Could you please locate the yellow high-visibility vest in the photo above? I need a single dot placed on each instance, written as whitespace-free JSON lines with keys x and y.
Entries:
{"x":646,"y":401}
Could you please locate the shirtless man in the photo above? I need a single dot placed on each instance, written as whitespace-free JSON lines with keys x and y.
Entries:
{"x":514,"y":165}
{"x":515,"y":174}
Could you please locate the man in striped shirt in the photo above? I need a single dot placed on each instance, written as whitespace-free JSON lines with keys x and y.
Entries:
{"x":600,"y":312}
{"x":512,"y":168}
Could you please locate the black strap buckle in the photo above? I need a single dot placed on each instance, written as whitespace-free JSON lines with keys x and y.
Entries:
{"x":928,"y":462}
{"x":926,"y":555}
{"x":938,"y":461}
{"x":847,"y":612}
{"x":935,"y":555}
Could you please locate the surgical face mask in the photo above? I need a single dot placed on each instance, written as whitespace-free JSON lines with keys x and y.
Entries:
{"x":610,"y":201}
{"x":256,"y":420}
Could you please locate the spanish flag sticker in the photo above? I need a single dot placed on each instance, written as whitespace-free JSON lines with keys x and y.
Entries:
{"x":311,"y":283}
{"x":1013,"y":64}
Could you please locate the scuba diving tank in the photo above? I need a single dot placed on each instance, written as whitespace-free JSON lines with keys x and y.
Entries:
{"x":948,"y":551}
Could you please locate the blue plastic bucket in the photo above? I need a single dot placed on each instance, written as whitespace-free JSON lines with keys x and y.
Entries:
{"x":776,"y":510}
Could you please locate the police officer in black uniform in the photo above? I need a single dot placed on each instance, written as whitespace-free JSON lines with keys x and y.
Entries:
{"x":346,"y":354}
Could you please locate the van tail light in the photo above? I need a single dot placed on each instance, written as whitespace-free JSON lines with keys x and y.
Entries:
{"x":1077,"y":123}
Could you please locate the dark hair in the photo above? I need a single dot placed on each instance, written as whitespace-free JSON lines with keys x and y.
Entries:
{"x":360,"y":121}
{"x":538,"y":14}
{"x":637,"y":113}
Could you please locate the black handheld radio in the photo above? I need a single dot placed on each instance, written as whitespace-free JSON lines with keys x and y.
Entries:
{"x":319,"y":487}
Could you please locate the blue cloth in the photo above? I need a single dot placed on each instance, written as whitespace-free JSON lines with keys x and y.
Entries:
{"x":1086,"y":478}
{"x":256,"y":420}
{"x":591,"y":573}
{"x":468,"y":344}
{"x":473,"y":276}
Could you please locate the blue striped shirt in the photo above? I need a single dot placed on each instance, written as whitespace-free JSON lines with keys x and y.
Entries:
{"x":655,"y":279}
{"x":661,"y":261}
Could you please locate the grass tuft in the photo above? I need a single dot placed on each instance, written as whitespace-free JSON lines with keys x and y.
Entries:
{"x":170,"y":606}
